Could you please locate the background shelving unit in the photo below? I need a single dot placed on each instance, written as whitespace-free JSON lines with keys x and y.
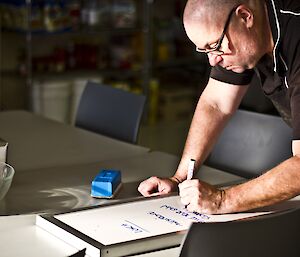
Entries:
{"x":165,"y":66}
{"x":95,"y":39}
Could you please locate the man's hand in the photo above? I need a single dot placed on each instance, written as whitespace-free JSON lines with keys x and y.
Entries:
{"x":158,"y":186}
{"x":201,"y":197}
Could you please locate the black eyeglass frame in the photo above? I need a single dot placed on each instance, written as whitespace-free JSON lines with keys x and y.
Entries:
{"x":216,"y":49}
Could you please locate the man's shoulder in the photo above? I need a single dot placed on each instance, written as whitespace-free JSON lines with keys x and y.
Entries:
{"x":289,"y":5}
{"x":287,"y":10}
{"x":289,"y":21}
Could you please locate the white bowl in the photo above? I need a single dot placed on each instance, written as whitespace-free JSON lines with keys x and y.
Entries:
{"x":6,"y":176}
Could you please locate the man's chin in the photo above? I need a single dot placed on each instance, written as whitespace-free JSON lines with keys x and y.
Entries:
{"x":239,"y":70}
{"x":236,"y":69}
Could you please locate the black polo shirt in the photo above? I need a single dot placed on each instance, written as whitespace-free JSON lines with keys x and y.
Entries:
{"x":280,"y":74}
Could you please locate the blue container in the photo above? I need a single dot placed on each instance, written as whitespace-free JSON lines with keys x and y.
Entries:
{"x":106,"y":183}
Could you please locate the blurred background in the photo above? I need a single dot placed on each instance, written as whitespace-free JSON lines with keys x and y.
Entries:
{"x":49,"y":49}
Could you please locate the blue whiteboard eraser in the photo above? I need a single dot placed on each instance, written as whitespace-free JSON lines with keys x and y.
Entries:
{"x":106,"y":184}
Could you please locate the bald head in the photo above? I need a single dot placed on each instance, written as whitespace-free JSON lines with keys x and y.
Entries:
{"x":210,"y":15}
{"x":211,"y":11}
{"x":240,"y":28}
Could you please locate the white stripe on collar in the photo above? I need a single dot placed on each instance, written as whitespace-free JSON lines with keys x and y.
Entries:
{"x":278,"y":36}
{"x":286,"y":82}
{"x":284,"y":63}
{"x":289,"y":12}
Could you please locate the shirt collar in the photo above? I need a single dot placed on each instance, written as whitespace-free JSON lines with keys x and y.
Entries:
{"x":273,"y":13}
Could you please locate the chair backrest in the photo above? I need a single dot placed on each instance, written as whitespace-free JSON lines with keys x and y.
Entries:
{"x":110,"y":111}
{"x":272,"y":235}
{"x":251,"y":144}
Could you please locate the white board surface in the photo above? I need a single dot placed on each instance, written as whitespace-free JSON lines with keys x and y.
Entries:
{"x":141,"y":219}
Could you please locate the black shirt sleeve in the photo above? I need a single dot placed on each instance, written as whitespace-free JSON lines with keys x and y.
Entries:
{"x":295,"y":107}
{"x":228,"y":76}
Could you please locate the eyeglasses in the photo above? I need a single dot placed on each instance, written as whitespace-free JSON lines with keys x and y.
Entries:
{"x":216,"y":48}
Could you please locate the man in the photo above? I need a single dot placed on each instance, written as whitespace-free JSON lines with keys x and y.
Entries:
{"x":242,"y":39}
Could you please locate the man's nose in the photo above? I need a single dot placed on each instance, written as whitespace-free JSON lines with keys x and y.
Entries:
{"x":214,"y":59}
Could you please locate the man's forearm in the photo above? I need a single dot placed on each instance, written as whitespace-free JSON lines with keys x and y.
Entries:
{"x":280,"y":183}
{"x":217,"y":103}
{"x":207,"y":123}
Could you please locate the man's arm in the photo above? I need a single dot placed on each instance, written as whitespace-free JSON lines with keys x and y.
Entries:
{"x":216,"y":105}
{"x":278,"y":184}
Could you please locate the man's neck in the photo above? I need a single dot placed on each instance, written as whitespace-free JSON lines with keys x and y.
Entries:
{"x":269,"y":36}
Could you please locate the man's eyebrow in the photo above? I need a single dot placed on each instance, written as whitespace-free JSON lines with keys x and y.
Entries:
{"x":207,"y":45}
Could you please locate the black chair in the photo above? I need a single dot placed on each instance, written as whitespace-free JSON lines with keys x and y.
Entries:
{"x":110,"y":111}
{"x":272,"y":235}
{"x":251,"y":144}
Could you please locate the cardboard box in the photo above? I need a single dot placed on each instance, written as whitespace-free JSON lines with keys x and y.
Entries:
{"x":177,"y":104}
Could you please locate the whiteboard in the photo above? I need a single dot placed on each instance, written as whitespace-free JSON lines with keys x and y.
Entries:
{"x":140,"y":219}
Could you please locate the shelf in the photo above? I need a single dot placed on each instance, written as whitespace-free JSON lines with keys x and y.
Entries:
{"x":180,"y":62}
{"x":113,"y":31}
{"x":120,"y":74}
{"x":11,"y":73}
{"x":39,"y":50}
{"x":81,"y":31}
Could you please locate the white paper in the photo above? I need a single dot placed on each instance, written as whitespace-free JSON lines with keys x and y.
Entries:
{"x":141,"y":219}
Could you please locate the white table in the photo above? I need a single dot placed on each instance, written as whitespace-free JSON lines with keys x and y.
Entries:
{"x":54,"y":166}
{"x":20,"y":231}
{"x":36,"y":142}
{"x":20,"y":237}
{"x":65,"y":188}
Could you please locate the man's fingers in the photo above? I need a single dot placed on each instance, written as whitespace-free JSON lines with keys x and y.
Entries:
{"x":189,"y":184}
{"x":145,"y":188}
{"x":185,"y":200}
{"x":158,"y":193}
{"x":149,"y":186}
{"x":189,"y":192}
{"x":156,"y":185}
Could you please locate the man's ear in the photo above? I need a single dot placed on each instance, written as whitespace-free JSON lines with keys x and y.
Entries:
{"x":246,"y":15}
